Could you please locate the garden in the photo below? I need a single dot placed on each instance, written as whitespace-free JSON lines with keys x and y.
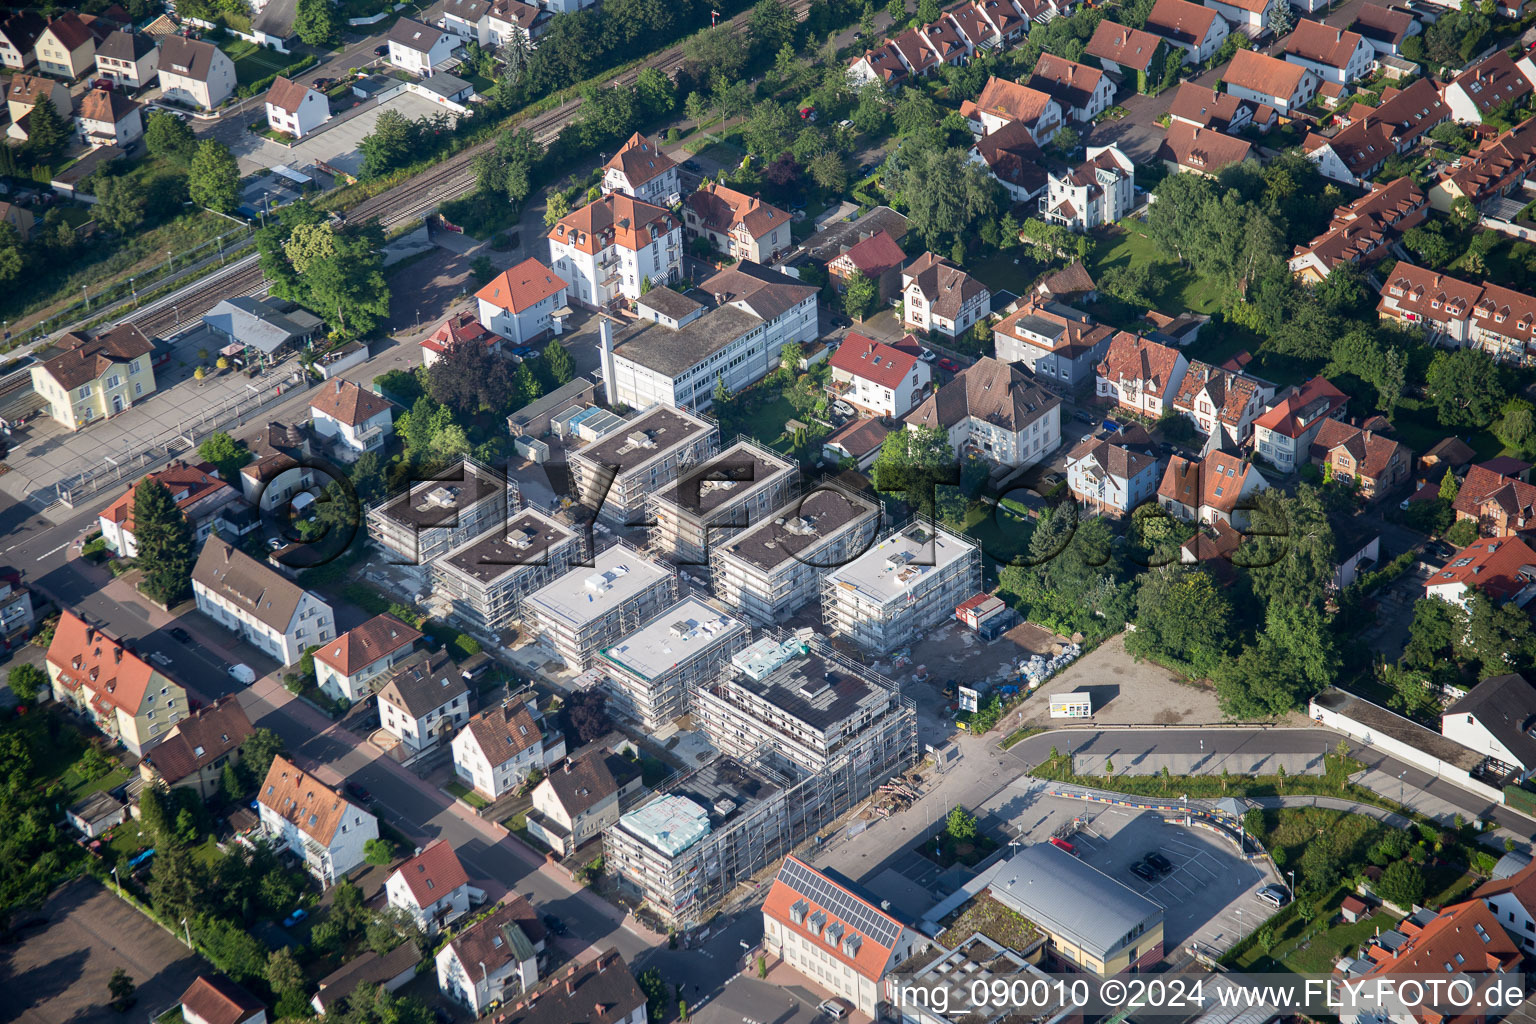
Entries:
{"x":958,"y":841}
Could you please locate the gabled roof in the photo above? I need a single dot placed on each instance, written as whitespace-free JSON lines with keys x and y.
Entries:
{"x":1506,"y":707}
{"x":1013,"y":157}
{"x":1372,"y":453}
{"x":615,"y":219}
{"x":582,"y":782}
{"x":422,"y":683}
{"x":859,"y":437}
{"x":200,"y":739}
{"x":1464,"y":938}
{"x":999,"y":393}
{"x":347,"y":402}
{"x":828,"y":913}
{"x":522,"y":287}
{"x":875,"y":361}
{"x":491,"y":940}
{"x":1322,"y":44}
{"x":1506,"y":312}
{"x":875,"y":255}
{"x":1205,"y":107}
{"x":460,"y":328}
{"x":363,"y":645}
{"x":1066,"y":336}
{"x":1314,"y":400}
{"x":294,"y":795}
{"x":1515,"y":497}
{"x":217,"y":1000}
{"x":22,"y":29}
{"x":914,"y":52}
{"x":70,"y":31}
{"x":125,"y":46}
{"x":413,"y":35}
{"x":1521,"y":884}
{"x":1115,"y":460}
{"x":433,"y":873}
{"x":1127,"y":47}
{"x":504,"y":731}
{"x":1011,"y":101}
{"x":640,"y":160}
{"x":1383,"y":24}
{"x":84,"y":359}
{"x":1359,"y":229}
{"x":288,"y":95}
{"x":188,"y":486}
{"x":188,"y":58}
{"x":1133,"y":358}
{"x":601,"y":992}
{"x":1265,"y":75}
{"x":1429,"y":294}
{"x":1071,"y":84}
{"x":1500,"y":567}
{"x":1493,"y":82}
{"x":1069,"y":281}
{"x":885,"y":62}
{"x":88,"y":659}
{"x":945,"y":286}
{"x":723,"y":210}
{"x":102,"y":105}
{"x":248,"y":584}
{"x":760,"y":290}
{"x":1215,"y":482}
{"x":1181,"y":22}
{"x":1374,"y":135}
{"x":1229,"y":391}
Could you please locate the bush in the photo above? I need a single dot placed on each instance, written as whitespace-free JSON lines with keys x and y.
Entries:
{"x":378,"y":851}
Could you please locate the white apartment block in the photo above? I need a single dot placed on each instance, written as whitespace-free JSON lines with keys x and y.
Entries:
{"x":773,"y":569}
{"x":614,"y":249}
{"x":617,"y":473}
{"x":316,"y":824}
{"x":649,"y":673}
{"x":905,"y":585}
{"x":1098,"y":192}
{"x":590,"y":607}
{"x":718,"y":498}
{"x":258,"y":603}
{"x":484,"y":581}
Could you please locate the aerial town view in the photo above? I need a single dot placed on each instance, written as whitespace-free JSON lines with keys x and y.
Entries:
{"x":768,"y":511}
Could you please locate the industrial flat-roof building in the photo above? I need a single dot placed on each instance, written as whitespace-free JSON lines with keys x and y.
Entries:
{"x":1093,"y":921}
{"x":616,"y":473}
{"x":590,"y":607}
{"x":714,"y":500}
{"x":771,"y":570}
{"x":485,"y":580}
{"x":650,"y":672}
{"x":435,"y":516}
{"x":906,"y":584}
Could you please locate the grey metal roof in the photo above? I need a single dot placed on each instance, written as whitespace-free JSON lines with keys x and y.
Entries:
{"x":445,"y":85}
{"x":1068,"y":897}
{"x":260,"y":323}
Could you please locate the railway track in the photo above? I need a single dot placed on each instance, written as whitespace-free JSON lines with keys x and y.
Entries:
{"x":241,"y":278}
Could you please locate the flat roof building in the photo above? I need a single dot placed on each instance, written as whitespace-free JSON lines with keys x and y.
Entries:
{"x":906,"y":584}
{"x":590,"y":607}
{"x":650,"y":672}
{"x":616,"y":473}
{"x":432,"y":517}
{"x":485,"y":580}
{"x":716,"y":499}
{"x":773,"y":569}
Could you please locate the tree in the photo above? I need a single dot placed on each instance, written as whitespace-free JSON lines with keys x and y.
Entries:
{"x":283,"y":971}
{"x":257,"y":753}
{"x":470,"y":377}
{"x":348,"y":288}
{"x":27,"y":681}
{"x":378,"y":851}
{"x":1465,"y":387}
{"x":558,"y":362}
{"x":896,"y":10}
{"x":47,"y":131}
{"x":829,"y":172}
{"x":120,"y":203}
{"x":1516,"y":427}
{"x":165,"y":541}
{"x":225,"y":453}
{"x":1498,"y":637}
{"x":507,"y":167}
{"x":1401,"y":883}
{"x":860,"y":297}
{"x":913,"y":463}
{"x":213,"y":179}
{"x":166,"y":135}
{"x":655,"y":990}
{"x":1281,"y":20}
{"x":555,"y":209}
{"x":1181,"y":614}
{"x":308,"y":243}
{"x":316,"y":22}
{"x":960,"y":825}
{"x":771,"y":26}
{"x":121,"y":987}
{"x":946,"y":194}
{"x":390,"y":145}
{"x":587,"y":715}
{"x":927,"y":11}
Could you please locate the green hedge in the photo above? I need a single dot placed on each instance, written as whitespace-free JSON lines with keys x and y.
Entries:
{"x":263,"y":84}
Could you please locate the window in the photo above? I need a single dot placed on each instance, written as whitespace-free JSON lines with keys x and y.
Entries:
{"x":85,"y":391}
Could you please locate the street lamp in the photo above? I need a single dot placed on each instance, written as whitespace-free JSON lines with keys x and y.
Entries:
{"x":1292,"y":874}
{"x":1400,"y":785}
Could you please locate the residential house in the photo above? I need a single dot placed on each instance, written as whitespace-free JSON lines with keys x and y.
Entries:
{"x":197,"y":749}
{"x":642,"y":171}
{"x":66,"y":47}
{"x":1203,"y":107}
{"x":1260,"y":78}
{"x":1097,"y":193}
{"x":1362,"y":230}
{"x":320,"y":827}
{"x":353,"y":418}
{"x":1504,"y":324}
{"x":199,"y":495}
{"x":882,"y":65}
{"x":610,"y":249}
{"x":877,"y":378}
{"x":423,"y":700}
{"x":1110,"y":478}
{"x":195,"y":72}
{"x":1126,"y":51}
{"x":1375,"y":462}
{"x":347,"y":668}
{"x":1498,"y":83}
{"x":1333,"y":54}
{"x":680,"y":348}
{"x":1501,"y":506}
{"x":825,"y":927}
{"x":1250,"y":17}
{"x":495,"y":959}
{"x":95,"y":815}
{"x":525,"y":304}
{"x":18,"y":39}
{"x":461,"y":328}
{"x":214,"y":999}
{"x":995,"y":410}
{"x":1441,"y":304}
{"x":1189,"y":149}
{"x":878,"y":258}
{"x":973,"y":26}
{"x":735,"y":224}
{"x":1056,"y":342}
{"x":109,"y":118}
{"x":1495,"y":718}
{"x":501,"y":746}
{"x":16,"y":615}
{"x":1467,"y":935}
{"x":939,"y":296}
{"x":471,"y":20}
{"x":1284,"y":434}
{"x":579,"y":800}
{"x":1385,"y":29}
{"x":1497,"y":167}
{"x":1002,"y":101}
{"x":389,"y":973}
{"x":1140,"y":376}
{"x":603,"y":991}
{"x":1219,"y":487}
{"x":914,"y":52}
{"x":279,"y":469}
{"x":945,"y":42}
{"x":258,"y":603}
{"x":20,"y":218}
{"x":431,"y":886}
{"x":121,"y":694}
{"x":296,"y":109}
{"x":418,"y":48}
{"x":88,"y":378}
{"x":1357,"y":151}
{"x":129,"y":59}
{"x":1512,"y":899}
{"x":510,"y":18}
{"x":1214,"y":396}
{"x":1011,"y":156}
{"x":1198,"y":31}
{"x":25,"y":90}
{"x":1502,"y":568}
{"x":1082,"y":92}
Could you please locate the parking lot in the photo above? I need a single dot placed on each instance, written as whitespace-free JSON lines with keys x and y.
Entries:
{"x":335,"y":145}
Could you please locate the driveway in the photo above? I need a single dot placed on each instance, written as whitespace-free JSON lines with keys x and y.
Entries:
{"x":336,"y":144}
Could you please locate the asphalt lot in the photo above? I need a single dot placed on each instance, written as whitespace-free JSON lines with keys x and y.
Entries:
{"x":336,"y":145}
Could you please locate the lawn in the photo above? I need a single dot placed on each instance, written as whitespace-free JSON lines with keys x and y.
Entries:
{"x":1418,"y":428}
{"x":1182,"y":288}
{"x":1006,"y":927}
{"x":999,"y":273}
{"x":80,"y":787}
{"x":466,"y":794}
{"x":1002,"y":534}
{"x":1318,"y":954}
{"x":253,"y":62}
{"x":765,"y":421}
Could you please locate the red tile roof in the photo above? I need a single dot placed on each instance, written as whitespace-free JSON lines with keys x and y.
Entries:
{"x":615,"y":219}
{"x":525,"y":285}
{"x":639,"y":160}
{"x":875,"y":361}
{"x":1499,"y":567}
{"x":876,"y":254}
{"x":363,"y":645}
{"x":1315,"y":399}
{"x":88,"y":659}
{"x":1375,"y":134}
{"x":1011,"y":101}
{"x":214,"y":999}
{"x":1429,"y":295}
{"x":504,"y":731}
{"x":1071,"y":84}
{"x":724,"y":209}
{"x":433,"y":873}
{"x":457,"y":330}
{"x":286,"y":94}
{"x":1373,"y":453}
{"x":788,"y":899}
{"x":1202,"y":149}
{"x":1493,"y":82}
{"x":1181,"y":21}
{"x":1229,"y":391}
{"x":1360,"y":229}
{"x":1322,"y":44}
{"x":296,"y":796}
{"x":1265,"y":75}
{"x":1463,"y":939}
{"x":200,"y":739}
{"x":1128,"y":47}
{"x":1516,"y":498}
{"x":1216,"y":482}
{"x":188,"y":486}
{"x":348,"y":403}
{"x":1133,"y":358}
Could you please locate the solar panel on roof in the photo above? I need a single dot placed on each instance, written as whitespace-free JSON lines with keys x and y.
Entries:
{"x":860,"y":916}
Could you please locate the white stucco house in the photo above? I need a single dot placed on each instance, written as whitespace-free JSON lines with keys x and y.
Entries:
{"x":431,"y":886}
{"x":524,"y":304}
{"x":355,"y":419}
{"x":325,"y":831}
{"x":258,"y":603}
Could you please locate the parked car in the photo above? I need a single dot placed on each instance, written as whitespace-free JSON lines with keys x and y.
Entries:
{"x":928,"y":355}
{"x":381,"y":51}
{"x":1157,"y":862}
{"x":359,"y":791}
{"x":837,"y":1009}
{"x":845,"y":123}
{"x":322,"y":83}
{"x":693,"y":166}
{"x":180,"y":635}
{"x":808,"y":114}
{"x":949,"y":364}
{"x":1275,"y":894}
{"x":554,"y":925}
{"x":1143,"y":872}
{"x":294,"y":918}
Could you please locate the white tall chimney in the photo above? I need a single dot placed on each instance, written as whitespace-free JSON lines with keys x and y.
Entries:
{"x":605,"y":335}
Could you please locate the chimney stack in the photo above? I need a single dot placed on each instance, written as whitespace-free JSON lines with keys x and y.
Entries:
{"x":605,"y":355}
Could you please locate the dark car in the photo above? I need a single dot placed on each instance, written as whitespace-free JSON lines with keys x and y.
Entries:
{"x":358,"y":790}
{"x":554,"y":925}
{"x":1143,"y":872}
{"x":320,"y":83}
{"x":1157,"y":862}
{"x":692,"y":165}
{"x":180,"y":635}
{"x":381,"y":51}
